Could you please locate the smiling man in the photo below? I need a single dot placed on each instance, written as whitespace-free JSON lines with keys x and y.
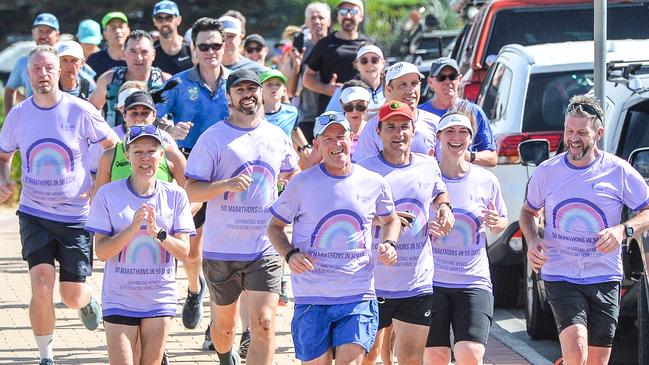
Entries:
{"x":172,"y":54}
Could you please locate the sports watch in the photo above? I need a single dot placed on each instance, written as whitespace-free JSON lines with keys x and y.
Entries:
{"x":628,"y":231}
{"x":161,"y":235}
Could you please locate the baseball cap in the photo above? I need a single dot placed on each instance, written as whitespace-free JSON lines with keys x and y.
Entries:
{"x":453,"y":119}
{"x":89,"y":31}
{"x":266,"y":75}
{"x":113,"y":15}
{"x":121,"y":98}
{"x":46,"y":19}
{"x":230,"y":24}
{"x":166,"y":7}
{"x":395,"y":108}
{"x":369,"y":49}
{"x":70,"y":48}
{"x":358,"y":3}
{"x":442,"y":62}
{"x":254,"y":38}
{"x":352,"y":93}
{"x":399,"y":69}
{"x":139,"y":98}
{"x":328,"y":118}
{"x":240,"y":76}
{"x":139,"y":131}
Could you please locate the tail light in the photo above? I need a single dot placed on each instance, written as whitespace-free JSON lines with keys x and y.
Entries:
{"x":507,"y":145}
{"x":471,"y":90}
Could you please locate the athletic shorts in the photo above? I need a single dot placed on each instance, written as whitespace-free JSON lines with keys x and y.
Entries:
{"x":318,"y":328}
{"x":126,"y":320}
{"x":413,"y":310}
{"x":595,"y":306}
{"x":227,"y":279}
{"x":44,"y":241}
{"x":468,"y":310}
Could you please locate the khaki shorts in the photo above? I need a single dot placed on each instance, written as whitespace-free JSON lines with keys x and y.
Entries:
{"x":227,"y":279}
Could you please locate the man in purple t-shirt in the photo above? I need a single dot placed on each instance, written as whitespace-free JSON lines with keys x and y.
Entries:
{"x":583,"y":192}
{"x":53,"y":131}
{"x":332,"y":206}
{"x":235,"y":166}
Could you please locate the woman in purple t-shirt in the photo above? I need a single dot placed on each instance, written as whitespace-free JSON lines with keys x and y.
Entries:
{"x":462,"y":295}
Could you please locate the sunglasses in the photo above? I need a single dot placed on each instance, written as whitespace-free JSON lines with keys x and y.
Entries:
{"x":587,"y":108}
{"x":350,"y":107}
{"x":253,"y":49}
{"x":164,"y":18}
{"x":138,"y":130}
{"x":442,"y":78}
{"x":205,"y":47}
{"x":346,"y":11}
{"x":328,"y":118}
{"x":365,"y":61}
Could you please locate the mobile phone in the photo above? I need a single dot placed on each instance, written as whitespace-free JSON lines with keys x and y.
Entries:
{"x":298,"y":41}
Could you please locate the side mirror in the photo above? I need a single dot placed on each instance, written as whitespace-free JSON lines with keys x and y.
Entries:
{"x":639,"y":159}
{"x":534,"y":151}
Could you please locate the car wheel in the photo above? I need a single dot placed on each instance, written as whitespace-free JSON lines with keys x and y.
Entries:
{"x":505,"y":281}
{"x":538,"y":315}
{"x":643,"y":322}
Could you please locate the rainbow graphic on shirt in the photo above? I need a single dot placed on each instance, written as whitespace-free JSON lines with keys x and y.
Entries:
{"x":419,"y":227}
{"x":578,"y":216}
{"x":465,"y":230}
{"x":144,"y":250}
{"x":49,"y":156}
{"x":341,"y":229}
{"x":263,"y":183}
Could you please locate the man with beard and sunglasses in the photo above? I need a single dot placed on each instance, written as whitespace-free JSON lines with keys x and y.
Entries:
{"x":582,"y":193}
{"x":172,"y":54}
{"x":444,"y":80}
{"x":235,"y":167}
{"x":331,"y":62}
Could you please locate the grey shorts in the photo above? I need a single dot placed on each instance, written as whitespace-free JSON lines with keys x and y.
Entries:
{"x":227,"y":279}
{"x":595,"y":306}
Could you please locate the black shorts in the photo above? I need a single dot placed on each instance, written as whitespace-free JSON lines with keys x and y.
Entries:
{"x":413,"y":310}
{"x":199,"y":217}
{"x":468,"y":310}
{"x":44,"y":241}
{"x":127,"y":321}
{"x":595,"y":306}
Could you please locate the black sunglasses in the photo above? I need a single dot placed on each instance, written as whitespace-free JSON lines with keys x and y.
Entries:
{"x":204,"y":47}
{"x":349,"y":107}
{"x":442,"y":78}
{"x":587,"y":108}
{"x":163,"y":18}
{"x":365,"y":61}
{"x":253,"y":49}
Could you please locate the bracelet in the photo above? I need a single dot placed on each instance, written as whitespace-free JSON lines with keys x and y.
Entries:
{"x":392,"y":243}
{"x":472,"y":156}
{"x":446,"y":203}
{"x":291,"y":253}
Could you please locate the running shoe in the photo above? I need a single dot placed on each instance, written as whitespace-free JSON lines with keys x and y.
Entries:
{"x":207,"y":343}
{"x":46,"y":362}
{"x":91,"y":314}
{"x":192,"y":310}
{"x":244,"y":344}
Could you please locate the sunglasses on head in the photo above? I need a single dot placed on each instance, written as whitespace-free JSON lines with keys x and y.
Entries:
{"x":138,"y":130}
{"x":442,"y":78}
{"x":587,"y":108}
{"x":350,"y":107}
{"x":328,"y":118}
{"x":253,"y":49}
{"x":204,"y":47}
{"x":164,"y":18}
{"x":345,"y":11}
{"x":365,"y":61}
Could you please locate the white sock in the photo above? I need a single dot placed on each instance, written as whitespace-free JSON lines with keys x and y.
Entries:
{"x":45,"y":346}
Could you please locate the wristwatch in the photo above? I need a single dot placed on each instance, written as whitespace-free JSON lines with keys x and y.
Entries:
{"x":471,"y":156}
{"x":628,"y":231}
{"x":392,"y":243}
{"x":300,"y":149}
{"x":161,"y":235}
{"x":446,"y":203}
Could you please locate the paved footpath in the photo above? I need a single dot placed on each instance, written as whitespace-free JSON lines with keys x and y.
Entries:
{"x":73,"y":344}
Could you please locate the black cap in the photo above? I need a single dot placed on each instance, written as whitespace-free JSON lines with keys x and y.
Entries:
{"x":139,"y":98}
{"x":255,"y":38}
{"x":240,"y":76}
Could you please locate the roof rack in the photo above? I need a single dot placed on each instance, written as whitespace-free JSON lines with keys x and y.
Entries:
{"x":621,"y":72}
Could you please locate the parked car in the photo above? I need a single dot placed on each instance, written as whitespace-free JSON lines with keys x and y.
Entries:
{"x":529,"y":22}
{"x":627,"y":135}
{"x":525,"y":95}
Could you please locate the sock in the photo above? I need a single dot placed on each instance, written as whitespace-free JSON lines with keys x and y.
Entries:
{"x":45,"y":346}
{"x":226,"y":358}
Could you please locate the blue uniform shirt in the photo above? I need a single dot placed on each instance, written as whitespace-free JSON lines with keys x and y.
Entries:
{"x":19,"y":77}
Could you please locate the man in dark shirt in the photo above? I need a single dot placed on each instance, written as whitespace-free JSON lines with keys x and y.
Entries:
{"x":116,"y":30}
{"x":172,"y":54}
{"x":333,"y":56}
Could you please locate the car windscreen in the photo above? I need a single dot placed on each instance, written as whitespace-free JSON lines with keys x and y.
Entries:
{"x":548,"y":96}
{"x":636,"y":130}
{"x":551,"y":24}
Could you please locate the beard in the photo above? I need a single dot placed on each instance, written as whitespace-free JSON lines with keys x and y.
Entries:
{"x":348,"y":25}
{"x":248,"y":110}
{"x":579,"y":155}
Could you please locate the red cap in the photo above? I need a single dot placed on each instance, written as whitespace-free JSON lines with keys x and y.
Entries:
{"x":395,"y":108}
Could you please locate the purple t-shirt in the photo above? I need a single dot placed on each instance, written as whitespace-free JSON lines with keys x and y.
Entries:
{"x":424,"y":141}
{"x":235,"y":225}
{"x":414,"y":186}
{"x":579,"y":202}
{"x":332,"y":217}
{"x":461,"y":257}
{"x":53,"y":145}
{"x":140,"y":281}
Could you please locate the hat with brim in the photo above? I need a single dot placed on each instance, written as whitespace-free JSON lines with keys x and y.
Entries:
{"x":438,"y":65}
{"x":242,"y":75}
{"x":393,"y":109}
{"x":139,"y":131}
{"x":399,"y":69}
{"x":70,"y":48}
{"x":267,"y":75}
{"x":230,"y":24}
{"x":254,"y":38}
{"x":112,"y":16}
{"x":358,"y":3}
{"x":352,"y":93}
{"x":89,"y":31}
{"x":450,"y":120}
{"x":369,"y":49}
{"x":327,"y":119}
{"x":139,"y":98}
{"x":46,"y":19}
{"x":166,"y":7}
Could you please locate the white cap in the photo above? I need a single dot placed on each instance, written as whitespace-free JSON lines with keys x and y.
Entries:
{"x":328,"y":118}
{"x":121,"y":98}
{"x":354,"y":93}
{"x":369,"y":49}
{"x":399,"y":69}
{"x":70,"y":48}
{"x":230,"y":24}
{"x":453,"y":119}
{"x":358,"y":3}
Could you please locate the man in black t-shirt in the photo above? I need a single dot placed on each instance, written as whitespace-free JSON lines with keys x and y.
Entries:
{"x":172,"y":55}
{"x":116,"y":30}
{"x":333,"y":56}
